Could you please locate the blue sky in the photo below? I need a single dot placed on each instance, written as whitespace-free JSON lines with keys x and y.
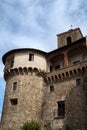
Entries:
{"x":35,"y":23}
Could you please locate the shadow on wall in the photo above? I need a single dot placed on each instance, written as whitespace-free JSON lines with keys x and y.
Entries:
{"x":75,"y":108}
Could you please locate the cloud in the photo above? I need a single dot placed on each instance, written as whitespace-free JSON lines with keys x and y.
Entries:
{"x":26,"y":22}
{"x":62,"y":14}
{"x":30,"y":17}
{"x":20,"y":15}
{"x":38,"y":22}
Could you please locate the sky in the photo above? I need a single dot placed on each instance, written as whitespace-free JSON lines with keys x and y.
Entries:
{"x":35,"y":24}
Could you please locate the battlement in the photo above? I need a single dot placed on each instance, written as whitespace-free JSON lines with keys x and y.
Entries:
{"x":22,"y":71}
{"x":66,"y":72}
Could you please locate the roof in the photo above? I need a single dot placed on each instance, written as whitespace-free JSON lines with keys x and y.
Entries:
{"x":71,"y":30}
{"x":70,"y":45}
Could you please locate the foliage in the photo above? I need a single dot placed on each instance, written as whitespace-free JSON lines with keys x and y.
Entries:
{"x":31,"y":126}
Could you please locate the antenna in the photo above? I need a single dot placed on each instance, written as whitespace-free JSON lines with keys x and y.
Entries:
{"x":71,"y":26}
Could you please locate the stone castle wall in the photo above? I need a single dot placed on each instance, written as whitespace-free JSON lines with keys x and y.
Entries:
{"x":23,"y":60}
{"x":30,"y":94}
{"x":62,"y":38}
{"x":37,"y":102}
{"x":73,"y":96}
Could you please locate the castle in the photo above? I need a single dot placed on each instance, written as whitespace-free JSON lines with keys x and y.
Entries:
{"x":50,"y":88}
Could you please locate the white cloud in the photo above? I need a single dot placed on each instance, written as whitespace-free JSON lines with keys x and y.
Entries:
{"x":25,"y":22}
{"x":28,"y":21}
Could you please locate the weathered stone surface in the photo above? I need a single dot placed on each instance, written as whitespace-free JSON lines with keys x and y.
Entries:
{"x":30,"y":92}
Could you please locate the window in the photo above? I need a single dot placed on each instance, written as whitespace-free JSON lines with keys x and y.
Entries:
{"x":76,"y":62}
{"x":57,"y":67}
{"x":31,"y":57}
{"x":51,"y":68}
{"x":14,"y":101}
{"x":61,"y":109}
{"x":51,"y":88}
{"x":69,"y":40}
{"x":14,"y":85}
{"x":78,"y":82}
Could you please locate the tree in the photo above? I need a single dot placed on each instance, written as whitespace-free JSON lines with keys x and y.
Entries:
{"x":31,"y":126}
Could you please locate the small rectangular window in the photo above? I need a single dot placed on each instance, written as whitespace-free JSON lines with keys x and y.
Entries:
{"x":51,"y":88}
{"x":14,"y":101}
{"x":31,"y":57}
{"x":69,"y":40}
{"x":57,"y":67}
{"x":51,"y":68}
{"x":61,"y":109}
{"x":14,"y":85}
{"x":78,"y":82}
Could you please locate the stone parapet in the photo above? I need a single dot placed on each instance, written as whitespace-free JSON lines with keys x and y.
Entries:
{"x":66,"y":72}
{"x":20,"y":71}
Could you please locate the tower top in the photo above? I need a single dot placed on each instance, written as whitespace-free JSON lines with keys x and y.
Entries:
{"x":68,"y":37}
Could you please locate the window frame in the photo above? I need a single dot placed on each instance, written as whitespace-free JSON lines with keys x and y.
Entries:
{"x":57,"y":67}
{"x":51,"y":88}
{"x":51,"y":68}
{"x":14,"y":101}
{"x":31,"y":57}
{"x":69,"y":40}
{"x":61,"y":109}
{"x":78,"y":81}
{"x":15,"y":83}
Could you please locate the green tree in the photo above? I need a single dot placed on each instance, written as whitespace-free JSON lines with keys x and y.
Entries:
{"x":31,"y":126}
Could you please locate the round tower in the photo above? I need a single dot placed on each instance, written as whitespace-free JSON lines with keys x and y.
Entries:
{"x":25,"y":89}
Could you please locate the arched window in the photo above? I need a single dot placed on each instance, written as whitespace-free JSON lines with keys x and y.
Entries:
{"x":69,"y":40}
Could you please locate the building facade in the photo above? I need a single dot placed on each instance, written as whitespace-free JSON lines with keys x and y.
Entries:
{"x":50,"y":88}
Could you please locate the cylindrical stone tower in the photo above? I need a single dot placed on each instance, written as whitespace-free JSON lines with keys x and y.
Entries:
{"x":25,"y":89}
